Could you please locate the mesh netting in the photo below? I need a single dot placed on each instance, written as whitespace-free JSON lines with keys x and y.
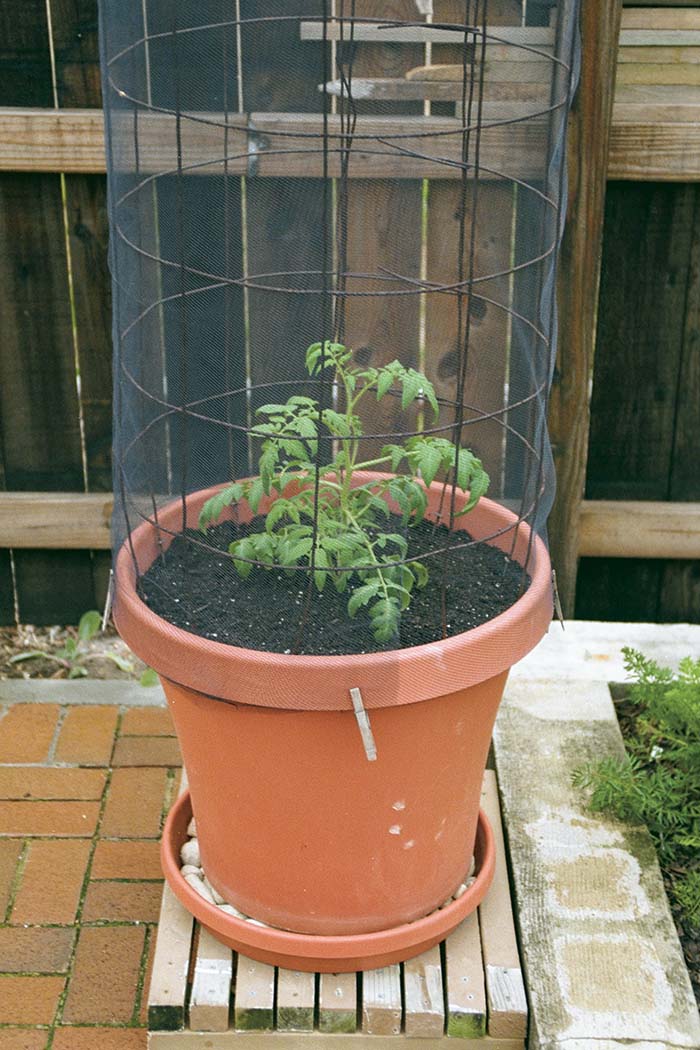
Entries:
{"x":334,"y":230}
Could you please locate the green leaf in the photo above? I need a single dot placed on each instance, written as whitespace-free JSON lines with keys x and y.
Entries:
{"x":336,"y":423}
{"x":362,"y":595}
{"x":430,"y":460}
{"x":269,"y":410}
{"x":242,"y":549}
{"x":321,"y":562}
{"x":384,"y":383}
{"x":412,"y":386}
{"x":89,"y":625}
{"x":421,"y":573}
{"x":281,"y":508}
{"x":212,"y":509}
{"x":149,"y":678}
{"x":77,"y":672}
{"x":254,"y":494}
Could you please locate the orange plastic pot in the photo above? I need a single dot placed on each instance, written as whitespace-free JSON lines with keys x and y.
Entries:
{"x":295,"y":826}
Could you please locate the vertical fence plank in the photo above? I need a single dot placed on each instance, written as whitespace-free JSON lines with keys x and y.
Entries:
{"x":579,"y":280}
{"x":38,"y":395}
{"x":643,"y":414}
{"x":384,"y":224}
{"x":488,"y":219}
{"x":74,"y":29}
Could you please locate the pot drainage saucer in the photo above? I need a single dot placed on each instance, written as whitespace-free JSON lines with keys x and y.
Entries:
{"x":323,"y":954}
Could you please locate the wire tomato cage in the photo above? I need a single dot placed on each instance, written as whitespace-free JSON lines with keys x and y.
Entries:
{"x":334,"y":238}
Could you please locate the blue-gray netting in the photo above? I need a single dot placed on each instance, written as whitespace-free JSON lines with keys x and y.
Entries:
{"x":386,"y":177}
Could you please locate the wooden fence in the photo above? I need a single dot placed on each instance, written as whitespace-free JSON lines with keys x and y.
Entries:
{"x":637,"y":531}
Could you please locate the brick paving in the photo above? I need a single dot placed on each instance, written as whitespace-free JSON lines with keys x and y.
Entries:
{"x":83,"y":794}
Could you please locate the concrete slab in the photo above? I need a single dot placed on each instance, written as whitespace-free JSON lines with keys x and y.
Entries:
{"x":604,"y":968}
{"x":592,"y":651}
{"x":80,"y":691}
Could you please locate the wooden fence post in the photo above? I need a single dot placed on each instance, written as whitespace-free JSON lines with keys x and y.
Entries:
{"x":579,"y":276}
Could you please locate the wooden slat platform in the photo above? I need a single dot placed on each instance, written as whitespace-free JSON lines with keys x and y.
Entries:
{"x":470,"y":988}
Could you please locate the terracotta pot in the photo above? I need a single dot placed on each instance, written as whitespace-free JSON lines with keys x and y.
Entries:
{"x":319,"y":954}
{"x":296,"y":827}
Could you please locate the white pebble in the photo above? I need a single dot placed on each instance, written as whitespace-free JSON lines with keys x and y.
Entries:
{"x":192,"y":829}
{"x":472,"y":867}
{"x":189,"y":854}
{"x":459,"y":891}
{"x":229,"y":909}
{"x":197,"y":884}
{"x":257,"y":922}
{"x":190,"y":869}
{"x":218,"y":899}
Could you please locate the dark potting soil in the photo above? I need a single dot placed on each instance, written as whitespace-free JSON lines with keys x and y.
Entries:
{"x":199,"y":592}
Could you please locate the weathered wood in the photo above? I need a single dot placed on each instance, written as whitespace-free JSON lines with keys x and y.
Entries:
{"x":424,"y":1004}
{"x":579,"y":280}
{"x":319,"y":1041}
{"x":466,"y":996}
{"x":626,"y":529}
{"x":55,"y":520}
{"x":254,"y":998}
{"x":369,"y":32}
{"x":39,"y":408}
{"x":166,"y":996}
{"x":653,"y":140}
{"x":337,"y":1002}
{"x":211,"y":985}
{"x":296,"y":995}
{"x":381,"y":1001}
{"x":505,"y":990}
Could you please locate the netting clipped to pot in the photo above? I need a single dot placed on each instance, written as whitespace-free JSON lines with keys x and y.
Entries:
{"x":334,"y":235}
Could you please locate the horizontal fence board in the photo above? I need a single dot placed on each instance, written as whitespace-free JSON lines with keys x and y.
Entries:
{"x":646,"y":143}
{"x":610,"y":528}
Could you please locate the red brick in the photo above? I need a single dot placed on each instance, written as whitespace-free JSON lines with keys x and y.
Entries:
{"x":126,"y":860}
{"x":35,"y":949}
{"x":51,"y":882}
{"x":70,"y":819}
{"x":122,"y":902}
{"x":10,"y":850}
{"x":87,"y":736}
{"x":23,"y":1039}
{"x":135,"y":803}
{"x":29,"y":1000}
{"x":105,"y":974}
{"x":146,"y":751}
{"x":66,"y":1038}
{"x":26,"y":732}
{"x":147,"y":721}
{"x":25,"y":782}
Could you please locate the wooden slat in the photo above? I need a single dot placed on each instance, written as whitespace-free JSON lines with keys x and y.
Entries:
{"x":660,"y":19}
{"x":337,"y":1002}
{"x":424,"y":1005}
{"x":625,"y":529}
{"x":647,"y":144}
{"x":296,"y":993}
{"x":368,"y":32}
{"x":254,"y":1000}
{"x":464,"y":978}
{"x":211,"y":985}
{"x":579,"y":275}
{"x":381,"y":1001}
{"x":505,"y":990}
{"x":302,"y":1041}
{"x":55,"y":520}
{"x":166,"y":997}
{"x":75,"y":520}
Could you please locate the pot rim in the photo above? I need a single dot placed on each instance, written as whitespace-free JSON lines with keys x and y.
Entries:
{"x":317,"y":682}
